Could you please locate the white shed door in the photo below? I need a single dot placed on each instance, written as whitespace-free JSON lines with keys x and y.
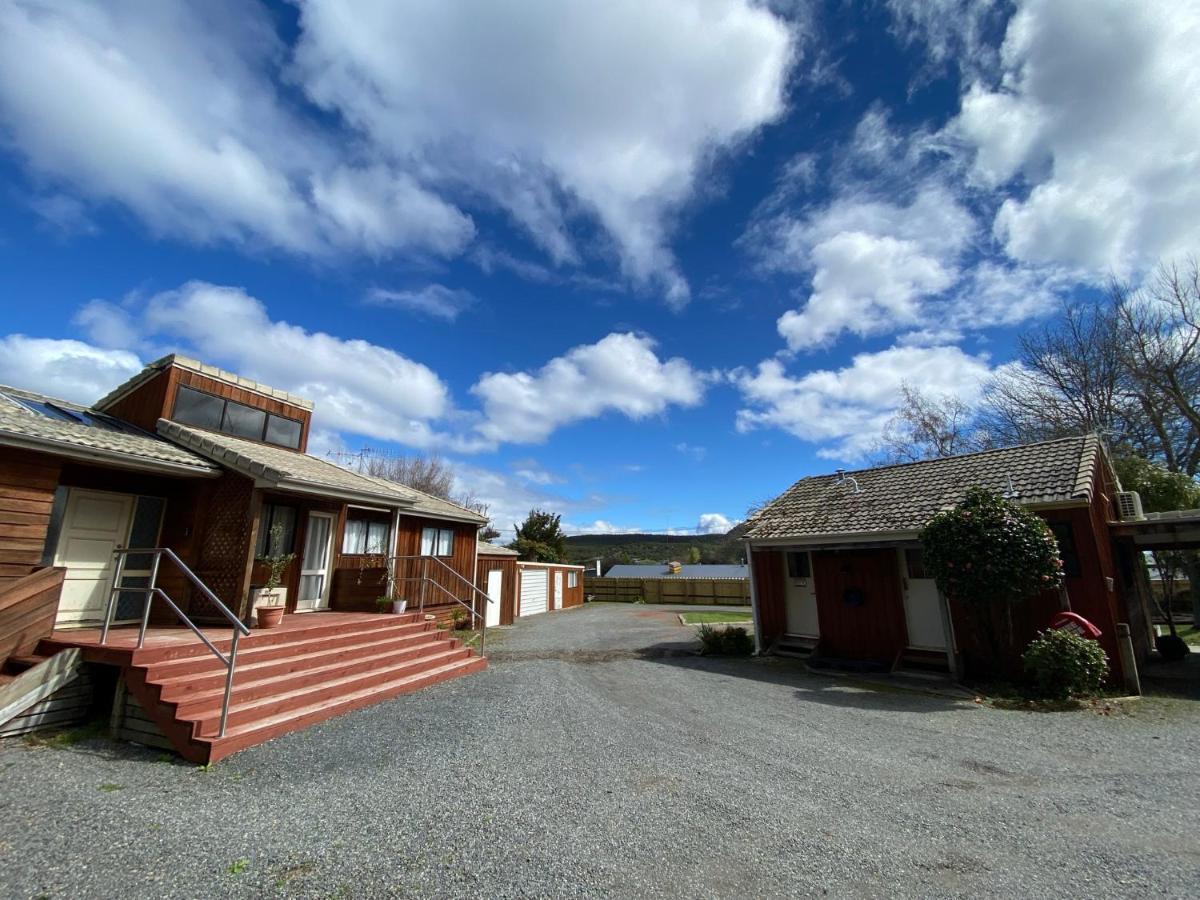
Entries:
{"x":922,"y":604}
{"x":534,"y":584}
{"x":495,"y":592}
{"x":558,"y":590}
{"x":95,"y":524}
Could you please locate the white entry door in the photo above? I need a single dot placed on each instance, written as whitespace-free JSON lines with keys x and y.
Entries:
{"x":800,"y":595}
{"x":558,"y":590}
{"x":314,"y":566}
{"x":495,"y":590}
{"x":922,"y":605}
{"x":533,"y":591}
{"x":95,"y":523}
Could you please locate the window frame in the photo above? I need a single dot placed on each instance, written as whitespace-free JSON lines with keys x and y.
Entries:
{"x":364,"y":547}
{"x":266,"y":521}
{"x":438,"y":536}
{"x":799,"y":572}
{"x":572,"y":579}
{"x":226,"y":403}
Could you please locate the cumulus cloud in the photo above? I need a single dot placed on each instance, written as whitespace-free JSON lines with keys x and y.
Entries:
{"x":846,"y":409}
{"x":371,"y":132}
{"x":434,"y":301}
{"x":1095,"y":112}
{"x":69,"y":369}
{"x":171,"y":109}
{"x":714,"y":523}
{"x":620,"y":373}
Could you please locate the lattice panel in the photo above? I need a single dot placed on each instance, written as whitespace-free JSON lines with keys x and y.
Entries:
{"x":225,"y":549}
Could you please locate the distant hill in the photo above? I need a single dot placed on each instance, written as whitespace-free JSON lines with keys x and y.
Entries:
{"x":655,"y":548}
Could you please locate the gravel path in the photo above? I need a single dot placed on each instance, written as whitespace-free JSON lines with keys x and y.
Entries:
{"x":594,"y":759}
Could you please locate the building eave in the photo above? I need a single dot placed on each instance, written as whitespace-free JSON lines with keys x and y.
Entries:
{"x":113,"y":458}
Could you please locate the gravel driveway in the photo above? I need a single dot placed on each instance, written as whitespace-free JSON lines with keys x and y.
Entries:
{"x":594,"y":759}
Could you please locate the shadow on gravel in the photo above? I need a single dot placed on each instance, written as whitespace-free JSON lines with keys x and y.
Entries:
{"x":847,"y":693}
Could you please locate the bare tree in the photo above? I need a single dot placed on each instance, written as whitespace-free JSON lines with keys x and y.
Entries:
{"x":930,"y":427}
{"x":429,"y":474}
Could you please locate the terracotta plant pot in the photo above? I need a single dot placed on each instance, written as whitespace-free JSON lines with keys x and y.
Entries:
{"x":269,"y":616}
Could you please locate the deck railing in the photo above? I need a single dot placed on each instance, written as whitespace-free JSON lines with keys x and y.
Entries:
{"x":429,"y":572}
{"x":152,"y":590}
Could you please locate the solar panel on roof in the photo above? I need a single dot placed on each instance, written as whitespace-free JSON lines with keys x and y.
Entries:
{"x":59,"y":413}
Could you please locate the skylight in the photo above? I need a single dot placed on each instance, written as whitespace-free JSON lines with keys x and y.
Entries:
{"x":87,"y":418}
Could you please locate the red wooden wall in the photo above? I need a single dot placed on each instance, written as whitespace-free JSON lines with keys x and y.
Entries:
{"x":871,"y":630}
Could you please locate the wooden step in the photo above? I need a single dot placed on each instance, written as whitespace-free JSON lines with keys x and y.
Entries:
{"x":253,"y":654}
{"x":207,"y":719}
{"x":248,"y":735}
{"x":175,"y":686}
{"x":190,"y":704}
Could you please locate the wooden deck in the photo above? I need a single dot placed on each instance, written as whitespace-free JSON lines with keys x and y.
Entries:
{"x":312,"y":667}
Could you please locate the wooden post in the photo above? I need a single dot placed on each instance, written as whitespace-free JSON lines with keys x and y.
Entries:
{"x":1133,"y":683}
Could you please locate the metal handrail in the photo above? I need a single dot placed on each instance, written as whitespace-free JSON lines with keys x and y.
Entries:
{"x":152,"y":590}
{"x":425,"y":579}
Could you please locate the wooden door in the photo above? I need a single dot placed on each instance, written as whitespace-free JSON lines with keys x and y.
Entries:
{"x":859,"y":602}
{"x":95,"y":523}
{"x":922,"y":604}
{"x":801,"y":610}
{"x":558,"y":590}
{"x":495,"y":591}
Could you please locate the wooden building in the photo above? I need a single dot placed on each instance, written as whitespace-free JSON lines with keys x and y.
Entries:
{"x":837,"y":571}
{"x":544,"y":587}
{"x":212,"y":467}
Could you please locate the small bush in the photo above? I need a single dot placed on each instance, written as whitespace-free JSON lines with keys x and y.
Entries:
{"x":1061,"y":665}
{"x":724,"y":641}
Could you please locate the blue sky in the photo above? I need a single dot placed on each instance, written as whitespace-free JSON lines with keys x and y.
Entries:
{"x":643,"y":264}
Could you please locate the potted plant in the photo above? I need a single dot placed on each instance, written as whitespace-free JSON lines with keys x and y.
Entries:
{"x":459,"y":618}
{"x":270,"y":600}
{"x":385,"y":603}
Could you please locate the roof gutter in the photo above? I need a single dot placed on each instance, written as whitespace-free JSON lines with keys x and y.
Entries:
{"x":107,"y":457}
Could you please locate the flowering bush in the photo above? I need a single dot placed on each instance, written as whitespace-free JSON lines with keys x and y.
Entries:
{"x":989,"y":554}
{"x":1062,"y":665}
{"x":987,"y":551}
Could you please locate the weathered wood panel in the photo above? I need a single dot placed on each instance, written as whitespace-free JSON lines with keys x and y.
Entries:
{"x":147,"y":403}
{"x":698,"y":591}
{"x":130,"y":722}
{"x":28,"y":607}
{"x":69,"y":704}
{"x":410,"y":572}
{"x":27,"y":484}
{"x":769,"y":590}
{"x":859,"y":603}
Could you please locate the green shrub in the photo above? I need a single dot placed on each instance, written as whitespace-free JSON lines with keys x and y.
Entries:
{"x":1061,"y":665}
{"x":724,"y":641}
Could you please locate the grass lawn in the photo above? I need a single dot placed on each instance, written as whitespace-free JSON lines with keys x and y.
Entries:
{"x":714,"y":618}
{"x":1189,"y":633}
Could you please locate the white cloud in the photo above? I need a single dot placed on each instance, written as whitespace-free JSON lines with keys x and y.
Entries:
{"x":68,"y":369}
{"x":620,"y":373}
{"x":609,"y":107}
{"x":713,"y":523}
{"x":845,"y":410}
{"x":374,"y":129}
{"x":532,"y":472}
{"x":599,"y":526}
{"x":170,"y":109}
{"x":1096,"y":112}
{"x":875,"y":264}
{"x":434,"y":300}
{"x":695,"y":452}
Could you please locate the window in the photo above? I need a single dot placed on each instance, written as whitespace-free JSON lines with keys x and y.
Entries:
{"x":365,"y":536}
{"x":914,"y":563}
{"x":284,"y":432}
{"x":1065,"y":535}
{"x":572,"y":579}
{"x":197,"y":408}
{"x":270,"y":544}
{"x":797,"y":563}
{"x":193,"y":407}
{"x":437,"y":541}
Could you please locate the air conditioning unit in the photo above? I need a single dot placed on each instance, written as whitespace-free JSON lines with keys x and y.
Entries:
{"x":1129,"y":505}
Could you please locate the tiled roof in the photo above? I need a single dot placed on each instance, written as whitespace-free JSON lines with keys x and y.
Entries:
{"x":428,"y":505}
{"x":486,"y":549}
{"x":286,"y":469}
{"x":902,"y":498}
{"x":193,"y":365}
{"x":686,"y":571}
{"x":131,"y":447}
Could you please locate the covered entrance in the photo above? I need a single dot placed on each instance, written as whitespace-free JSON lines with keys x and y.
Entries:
{"x":859,"y":604}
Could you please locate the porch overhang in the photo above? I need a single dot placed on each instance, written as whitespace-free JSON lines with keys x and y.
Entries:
{"x":1161,"y":531}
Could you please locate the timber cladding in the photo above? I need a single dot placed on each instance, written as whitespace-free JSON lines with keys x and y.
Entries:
{"x":859,"y":603}
{"x":698,"y":591}
{"x":507,"y":566}
{"x":28,"y":607}
{"x":225,"y":549}
{"x":27,"y":484}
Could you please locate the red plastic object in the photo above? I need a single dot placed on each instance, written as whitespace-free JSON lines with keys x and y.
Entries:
{"x":1068,"y":621}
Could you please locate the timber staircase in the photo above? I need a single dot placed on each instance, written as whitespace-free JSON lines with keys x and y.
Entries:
{"x":318,"y":666}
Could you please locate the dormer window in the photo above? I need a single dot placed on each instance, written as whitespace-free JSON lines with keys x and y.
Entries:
{"x":204,"y":410}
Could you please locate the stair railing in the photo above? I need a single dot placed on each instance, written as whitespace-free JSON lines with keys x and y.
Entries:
{"x":440,"y":568}
{"x":152,"y":590}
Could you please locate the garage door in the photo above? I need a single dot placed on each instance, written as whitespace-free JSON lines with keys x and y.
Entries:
{"x":533,"y":591}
